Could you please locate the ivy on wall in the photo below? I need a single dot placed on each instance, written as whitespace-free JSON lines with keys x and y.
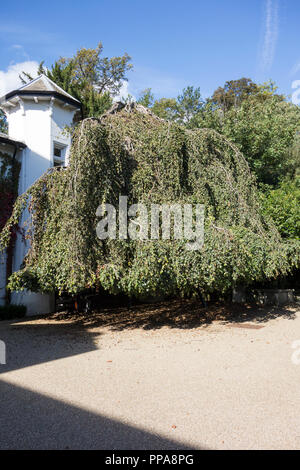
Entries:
{"x":9,"y":178}
{"x":131,"y":152}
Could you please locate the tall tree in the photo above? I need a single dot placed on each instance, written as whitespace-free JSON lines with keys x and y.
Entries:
{"x":189,"y":103}
{"x":89,"y":77}
{"x":282,"y":204}
{"x":264,"y":131}
{"x":233,"y":93}
{"x":146,"y":98}
{"x":260,"y":122}
{"x":166,"y":108}
{"x":182,"y":109}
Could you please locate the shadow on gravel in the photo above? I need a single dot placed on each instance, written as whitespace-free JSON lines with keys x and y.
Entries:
{"x":30,"y":420}
{"x":185,"y":314}
{"x":45,"y":339}
{"x":30,"y":343}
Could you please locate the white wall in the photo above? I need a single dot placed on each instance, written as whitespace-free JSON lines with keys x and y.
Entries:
{"x":36,"y":304}
{"x":38,"y":125}
{"x":33,"y":128}
{"x":61,"y":118}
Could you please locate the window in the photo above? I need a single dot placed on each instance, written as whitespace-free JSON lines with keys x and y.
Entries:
{"x":59,"y":154}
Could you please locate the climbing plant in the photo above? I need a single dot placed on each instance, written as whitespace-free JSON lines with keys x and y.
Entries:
{"x":3,"y":122}
{"x":129,"y":151}
{"x":9,"y":177}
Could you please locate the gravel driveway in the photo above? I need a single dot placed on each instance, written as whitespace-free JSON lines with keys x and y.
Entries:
{"x":89,"y":385}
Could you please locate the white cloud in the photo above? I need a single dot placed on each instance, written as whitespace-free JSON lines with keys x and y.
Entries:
{"x":271,"y":28}
{"x":124,"y":92}
{"x":9,"y":79}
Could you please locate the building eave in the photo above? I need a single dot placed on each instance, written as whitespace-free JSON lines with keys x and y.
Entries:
{"x":51,"y":94}
{"x":8,"y":141}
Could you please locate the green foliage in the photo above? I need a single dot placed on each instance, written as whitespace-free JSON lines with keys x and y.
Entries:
{"x":3,"y":122}
{"x":146,"y":98}
{"x":233,"y":93}
{"x":283,"y":205}
{"x":127,"y":99}
{"x":182,"y":110}
{"x":9,"y":178}
{"x":89,"y":77}
{"x":9,"y":172}
{"x":189,"y":103}
{"x":152,"y":161}
{"x":166,"y":108}
{"x":292,"y":166}
{"x":264,"y":132}
{"x":268,"y":89}
{"x":264,"y":128}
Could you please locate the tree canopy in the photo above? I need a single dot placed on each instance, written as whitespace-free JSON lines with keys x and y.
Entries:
{"x":260,"y":122}
{"x":181,"y":110}
{"x":282,"y":204}
{"x":89,"y":77}
{"x":134,"y":153}
{"x":233,"y":93}
{"x":184,"y":149}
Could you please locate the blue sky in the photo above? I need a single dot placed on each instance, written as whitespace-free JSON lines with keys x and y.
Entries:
{"x":172,"y":43}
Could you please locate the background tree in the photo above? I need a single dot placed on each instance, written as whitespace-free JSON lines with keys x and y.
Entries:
{"x":282,"y":204}
{"x":264,"y":132}
{"x":260,"y":122}
{"x":89,"y":77}
{"x":233,"y":93}
{"x":127,"y":99}
{"x":293,"y":159}
{"x":189,"y":103}
{"x":182,"y":109}
{"x":265,"y":127}
{"x":166,"y":108}
{"x":146,"y":98}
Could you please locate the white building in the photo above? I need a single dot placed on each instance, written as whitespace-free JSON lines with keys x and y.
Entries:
{"x":37,"y":115}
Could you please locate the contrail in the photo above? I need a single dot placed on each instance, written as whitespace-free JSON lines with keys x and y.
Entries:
{"x":270,"y":35}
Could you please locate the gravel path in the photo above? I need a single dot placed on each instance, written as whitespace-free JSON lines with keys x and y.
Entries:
{"x":216,"y":386}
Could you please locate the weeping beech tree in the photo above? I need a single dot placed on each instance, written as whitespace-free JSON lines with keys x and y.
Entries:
{"x":129,"y":151}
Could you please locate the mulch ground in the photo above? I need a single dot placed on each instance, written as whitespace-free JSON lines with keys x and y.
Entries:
{"x":174,"y":314}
